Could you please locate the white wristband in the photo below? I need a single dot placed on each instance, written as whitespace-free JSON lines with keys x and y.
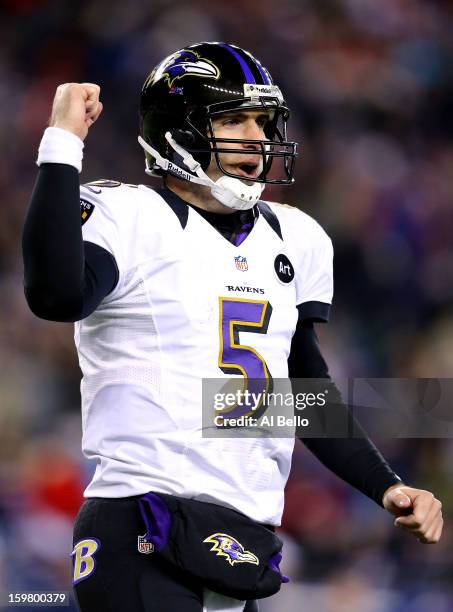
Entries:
{"x":59,"y":146}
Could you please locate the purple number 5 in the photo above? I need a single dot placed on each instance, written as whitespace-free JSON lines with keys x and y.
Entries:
{"x":238,"y":315}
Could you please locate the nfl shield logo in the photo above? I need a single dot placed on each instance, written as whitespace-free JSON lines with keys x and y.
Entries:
{"x":144,"y":546}
{"x":241,"y":263}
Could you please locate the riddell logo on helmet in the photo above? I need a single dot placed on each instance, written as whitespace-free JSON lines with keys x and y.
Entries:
{"x":255,"y":91}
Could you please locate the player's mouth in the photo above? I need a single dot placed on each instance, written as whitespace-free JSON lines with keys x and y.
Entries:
{"x":248,"y":170}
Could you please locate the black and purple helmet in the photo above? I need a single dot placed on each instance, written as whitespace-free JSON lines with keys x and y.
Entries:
{"x":191,"y":86}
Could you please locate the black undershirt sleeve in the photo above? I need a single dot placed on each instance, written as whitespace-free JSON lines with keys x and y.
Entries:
{"x":355,"y":460}
{"x":65,"y":278}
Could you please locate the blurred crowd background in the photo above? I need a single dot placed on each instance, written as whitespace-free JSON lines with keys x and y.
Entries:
{"x":370,"y":86}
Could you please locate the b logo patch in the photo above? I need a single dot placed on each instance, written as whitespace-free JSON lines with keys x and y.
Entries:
{"x":86,"y":210}
{"x":83,"y":558}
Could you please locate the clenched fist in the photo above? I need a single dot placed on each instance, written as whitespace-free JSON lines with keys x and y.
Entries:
{"x":76,"y":107}
{"x":416,"y":511}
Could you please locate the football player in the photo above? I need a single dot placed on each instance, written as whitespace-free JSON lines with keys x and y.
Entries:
{"x":197,"y":279}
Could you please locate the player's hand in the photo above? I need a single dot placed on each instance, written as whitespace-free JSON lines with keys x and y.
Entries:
{"x":416,"y":511}
{"x":76,"y":107}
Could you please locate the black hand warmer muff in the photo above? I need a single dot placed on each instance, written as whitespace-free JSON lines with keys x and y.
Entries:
{"x":223,"y":549}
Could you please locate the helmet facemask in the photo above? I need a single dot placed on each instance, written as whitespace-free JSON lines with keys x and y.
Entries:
{"x":199,"y":139}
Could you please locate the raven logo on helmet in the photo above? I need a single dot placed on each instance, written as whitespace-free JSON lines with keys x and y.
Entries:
{"x":181,"y":64}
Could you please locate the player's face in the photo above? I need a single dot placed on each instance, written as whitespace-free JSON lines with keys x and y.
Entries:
{"x":246,"y":125}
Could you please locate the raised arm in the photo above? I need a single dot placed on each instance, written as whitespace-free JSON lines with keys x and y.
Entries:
{"x":65,"y":278}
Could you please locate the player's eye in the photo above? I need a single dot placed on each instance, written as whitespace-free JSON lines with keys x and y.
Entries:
{"x":231,"y":121}
{"x":262,"y":121}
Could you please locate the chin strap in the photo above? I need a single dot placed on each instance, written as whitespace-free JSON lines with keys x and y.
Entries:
{"x":227,"y":190}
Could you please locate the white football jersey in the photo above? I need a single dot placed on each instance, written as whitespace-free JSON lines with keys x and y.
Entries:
{"x":167,"y":325}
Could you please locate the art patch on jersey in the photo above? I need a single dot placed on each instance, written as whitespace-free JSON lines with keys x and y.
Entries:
{"x":226,"y":546}
{"x":241,"y":263}
{"x":284,"y":269}
{"x":180,"y":64}
{"x":86,"y":210}
{"x":144,"y":546}
{"x":83,"y":558}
